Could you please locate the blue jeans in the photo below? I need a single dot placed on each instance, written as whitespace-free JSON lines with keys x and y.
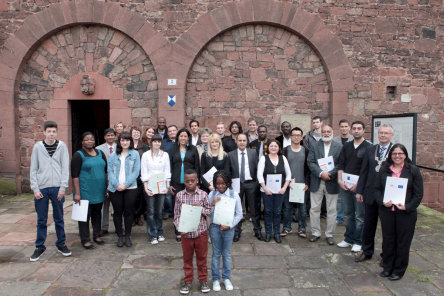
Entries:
{"x":221,"y":241}
{"x":289,"y":209}
{"x":272,"y":212}
{"x":41,"y":207}
{"x":354,"y":213}
{"x":340,"y":210}
{"x":154,"y":206}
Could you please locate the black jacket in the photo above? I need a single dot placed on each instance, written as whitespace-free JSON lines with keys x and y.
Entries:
{"x":229,"y":144}
{"x":206,"y":163}
{"x":415,"y":186}
{"x":191,"y":161}
{"x":252,"y":163}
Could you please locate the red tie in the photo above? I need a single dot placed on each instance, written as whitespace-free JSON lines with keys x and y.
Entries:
{"x":111,"y":150}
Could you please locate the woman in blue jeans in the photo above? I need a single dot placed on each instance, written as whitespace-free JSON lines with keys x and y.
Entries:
{"x":155,"y":164}
{"x":123,"y":170}
{"x":222,"y":235}
{"x":273,"y":164}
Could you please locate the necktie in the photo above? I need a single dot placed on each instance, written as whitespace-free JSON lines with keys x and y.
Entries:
{"x":381,"y":152}
{"x":242,"y":172}
{"x":111,"y":150}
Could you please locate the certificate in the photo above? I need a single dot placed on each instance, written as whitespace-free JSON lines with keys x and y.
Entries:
{"x":326,"y":164}
{"x":157,"y":182}
{"x":80,"y":212}
{"x":297,"y":193}
{"x":350,"y":179}
{"x":235,"y":183}
{"x":224,"y":211}
{"x":274,"y":182}
{"x":395,"y":190}
{"x":208,"y":176}
{"x":189,"y":218}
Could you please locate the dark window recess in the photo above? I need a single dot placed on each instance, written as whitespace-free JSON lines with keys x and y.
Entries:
{"x":390,"y":92}
{"x":429,"y":32}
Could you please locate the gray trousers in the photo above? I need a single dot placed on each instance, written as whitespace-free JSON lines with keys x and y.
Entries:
{"x":315,"y":211}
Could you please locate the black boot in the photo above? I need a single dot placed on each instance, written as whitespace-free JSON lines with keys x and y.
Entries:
{"x":128,"y":242}
{"x":120,"y":241}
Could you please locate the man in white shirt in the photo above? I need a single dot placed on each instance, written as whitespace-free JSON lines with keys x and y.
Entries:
{"x":252,"y":130}
{"x":285,"y":138}
{"x":194,"y":128}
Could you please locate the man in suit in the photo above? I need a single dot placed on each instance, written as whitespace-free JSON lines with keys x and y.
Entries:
{"x":285,"y":138}
{"x":371,"y":163}
{"x":108,"y":148}
{"x":161,"y":127}
{"x":252,"y":130}
{"x":261,"y":143}
{"x":243,"y":165}
{"x":323,"y":182}
{"x":194,"y":129}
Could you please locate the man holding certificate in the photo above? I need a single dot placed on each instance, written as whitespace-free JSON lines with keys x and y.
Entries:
{"x":323,"y":182}
{"x":197,"y":240}
{"x":398,"y":180}
{"x":350,"y":162}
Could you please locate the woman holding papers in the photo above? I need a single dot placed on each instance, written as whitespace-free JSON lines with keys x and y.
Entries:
{"x":123,"y":170}
{"x":156,"y":176}
{"x":226,"y":212}
{"x":88,"y":171}
{"x":399,"y":191}
{"x":274,"y":175}
{"x":216,"y":157}
{"x":183,"y":156}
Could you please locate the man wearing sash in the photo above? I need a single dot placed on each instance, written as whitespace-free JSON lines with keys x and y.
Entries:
{"x":373,"y":159}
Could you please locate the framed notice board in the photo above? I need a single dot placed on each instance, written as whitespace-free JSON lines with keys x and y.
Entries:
{"x":404,"y":128}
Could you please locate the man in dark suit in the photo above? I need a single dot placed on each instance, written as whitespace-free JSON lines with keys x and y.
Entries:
{"x":371,"y":163}
{"x":323,"y":181}
{"x":285,"y":138}
{"x":243,"y":165}
{"x":161,"y":127}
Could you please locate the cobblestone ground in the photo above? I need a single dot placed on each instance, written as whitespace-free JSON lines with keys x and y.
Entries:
{"x":295,"y":267}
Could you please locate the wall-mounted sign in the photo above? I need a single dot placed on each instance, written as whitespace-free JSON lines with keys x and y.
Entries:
{"x":171,"y":100}
{"x":172,"y":81}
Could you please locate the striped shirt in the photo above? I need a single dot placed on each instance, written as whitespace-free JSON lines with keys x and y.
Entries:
{"x":198,"y":197}
{"x":51,"y":148}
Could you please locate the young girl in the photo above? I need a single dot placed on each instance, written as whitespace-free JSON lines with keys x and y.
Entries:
{"x":222,"y":235}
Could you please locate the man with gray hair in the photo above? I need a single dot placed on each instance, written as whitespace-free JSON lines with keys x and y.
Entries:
{"x":371,"y":164}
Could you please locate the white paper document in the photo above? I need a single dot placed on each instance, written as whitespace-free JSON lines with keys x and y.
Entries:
{"x":208,"y":176}
{"x":80,"y":212}
{"x":350,"y":179}
{"x":297,"y":193}
{"x":235,"y":183}
{"x":189,"y":218}
{"x":224,"y":211}
{"x":274,"y":182}
{"x":157,"y":182}
{"x":395,"y":190}
{"x":326,"y":164}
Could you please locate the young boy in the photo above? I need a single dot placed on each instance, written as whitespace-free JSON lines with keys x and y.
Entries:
{"x":49,"y":180}
{"x":196,"y":241}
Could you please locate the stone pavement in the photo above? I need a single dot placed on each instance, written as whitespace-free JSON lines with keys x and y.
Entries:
{"x":295,"y":267}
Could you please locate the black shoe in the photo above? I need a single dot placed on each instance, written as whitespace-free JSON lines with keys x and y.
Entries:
{"x":89,"y":247}
{"x":103,"y":233}
{"x":36,"y":255}
{"x":277,"y":238}
{"x":128,"y":242}
{"x":64,"y":250}
{"x":204,"y":287}
{"x":314,"y":238}
{"x":394,"y":277}
{"x":258,"y":235}
{"x":120,"y":241}
{"x":236,"y":238}
{"x":267,"y":238}
{"x":362,"y":258}
{"x":330,"y":241}
{"x":99,"y":242}
{"x":384,"y":274}
{"x":178,"y":239}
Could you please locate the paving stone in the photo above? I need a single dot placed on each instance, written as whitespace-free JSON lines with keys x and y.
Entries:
{"x":264,"y":249}
{"x":436,"y":257}
{"x":6,"y":218}
{"x":301,"y":262}
{"x":313,"y":251}
{"x":165,"y":250}
{"x":420,"y":263}
{"x":15,"y":271}
{"x":157,"y":262}
{"x":345,"y":263}
{"x":89,"y":273}
{"x":123,"y":292}
{"x":242,"y":249}
{"x":149,"y":279}
{"x":70,"y":291}
{"x":23,"y":288}
{"x":411,"y":286}
{"x":252,"y":262}
{"x":324,"y":278}
{"x":18,"y":239}
{"x":267,"y":292}
{"x":364,"y":282}
{"x":309,"y":292}
{"x":260,"y":279}
{"x":8,"y":252}
{"x":47,"y":272}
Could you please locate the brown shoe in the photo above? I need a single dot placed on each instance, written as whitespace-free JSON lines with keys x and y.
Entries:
{"x":362,"y":258}
{"x":314,"y":238}
{"x":330,"y":241}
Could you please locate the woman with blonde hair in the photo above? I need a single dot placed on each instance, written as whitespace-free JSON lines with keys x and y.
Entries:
{"x":204,"y":135}
{"x":215,"y":156}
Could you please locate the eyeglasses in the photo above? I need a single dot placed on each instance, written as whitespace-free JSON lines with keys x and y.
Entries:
{"x":398,"y":153}
{"x":384,"y":133}
{"x":297,"y":136}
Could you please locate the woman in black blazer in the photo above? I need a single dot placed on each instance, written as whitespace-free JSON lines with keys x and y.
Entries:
{"x":398,"y":220}
{"x":214,"y":156}
{"x":183,"y":156}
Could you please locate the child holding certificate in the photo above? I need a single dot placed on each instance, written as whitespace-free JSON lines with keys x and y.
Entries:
{"x":222,"y":235}
{"x":197,"y":240}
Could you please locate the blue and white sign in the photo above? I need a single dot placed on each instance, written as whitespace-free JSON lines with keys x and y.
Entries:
{"x":171,"y":100}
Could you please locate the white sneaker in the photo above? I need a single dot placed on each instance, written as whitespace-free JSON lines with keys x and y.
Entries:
{"x":154,"y":241}
{"x":344,"y":244}
{"x":161,"y":238}
{"x":216,"y":286}
{"x":356,"y":248}
{"x":228,"y":285}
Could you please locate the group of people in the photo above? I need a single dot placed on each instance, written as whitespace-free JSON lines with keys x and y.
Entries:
{"x":155,"y":172}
